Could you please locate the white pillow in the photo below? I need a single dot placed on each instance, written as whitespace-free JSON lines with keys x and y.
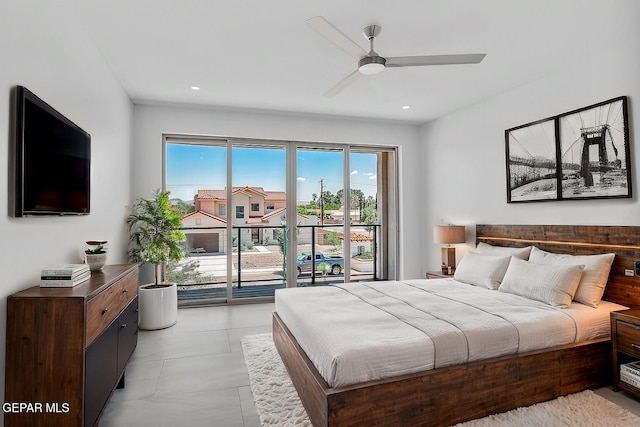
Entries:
{"x":482,"y":270}
{"x":551,"y":284}
{"x":485,"y":248}
{"x":594,"y":278}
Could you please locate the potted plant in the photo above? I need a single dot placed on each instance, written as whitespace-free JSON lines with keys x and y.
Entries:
{"x":96,"y":254}
{"x":155,"y":237}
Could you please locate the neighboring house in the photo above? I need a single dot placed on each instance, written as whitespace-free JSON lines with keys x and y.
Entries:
{"x":247,"y":202}
{"x":205,"y":231}
{"x":277,"y":217}
{"x":249,"y":206}
{"x":338,"y":215}
{"x":359,"y":243}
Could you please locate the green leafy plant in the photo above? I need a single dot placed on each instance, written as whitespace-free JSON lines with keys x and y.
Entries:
{"x":333,"y":238}
{"x":96,"y":247}
{"x":324,"y":268}
{"x":155,"y":234}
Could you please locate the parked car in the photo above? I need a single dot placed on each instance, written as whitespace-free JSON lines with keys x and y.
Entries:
{"x":334,"y":263}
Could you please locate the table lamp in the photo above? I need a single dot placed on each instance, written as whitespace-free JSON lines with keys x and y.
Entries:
{"x":448,"y":234}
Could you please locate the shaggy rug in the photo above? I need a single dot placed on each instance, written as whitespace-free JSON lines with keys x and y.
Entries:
{"x":278,"y":404}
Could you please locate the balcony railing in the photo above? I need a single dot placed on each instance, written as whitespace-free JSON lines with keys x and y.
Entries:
{"x":259,"y":259}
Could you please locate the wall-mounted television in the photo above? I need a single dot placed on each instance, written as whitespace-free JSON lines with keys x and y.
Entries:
{"x":52,"y":160}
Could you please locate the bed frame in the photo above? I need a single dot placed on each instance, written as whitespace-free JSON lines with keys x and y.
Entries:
{"x":454,"y":394}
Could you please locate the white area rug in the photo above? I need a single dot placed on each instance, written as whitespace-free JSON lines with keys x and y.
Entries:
{"x":278,"y":404}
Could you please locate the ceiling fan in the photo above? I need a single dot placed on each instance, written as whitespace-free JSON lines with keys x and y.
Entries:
{"x":370,"y":63}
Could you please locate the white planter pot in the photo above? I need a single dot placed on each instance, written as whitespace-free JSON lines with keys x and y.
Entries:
{"x":95,"y":261}
{"x":158,"y":306}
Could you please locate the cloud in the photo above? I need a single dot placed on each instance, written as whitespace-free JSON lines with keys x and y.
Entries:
{"x":300,"y":178}
{"x":355,"y":172}
{"x":369,"y":173}
{"x":373,"y":176}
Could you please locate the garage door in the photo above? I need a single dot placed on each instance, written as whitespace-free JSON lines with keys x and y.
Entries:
{"x":210,"y":242}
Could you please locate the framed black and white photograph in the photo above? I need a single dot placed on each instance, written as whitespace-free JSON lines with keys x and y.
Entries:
{"x":594,"y":150}
{"x":531,"y":162}
{"x":582,"y":154}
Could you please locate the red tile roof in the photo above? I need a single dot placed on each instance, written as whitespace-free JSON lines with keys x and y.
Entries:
{"x":205,"y":214}
{"x":222,"y":194}
{"x":358,"y":237}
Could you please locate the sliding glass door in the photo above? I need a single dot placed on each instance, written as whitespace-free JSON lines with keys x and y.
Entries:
{"x":249,"y":237}
{"x":258,"y":203}
{"x":320,"y":256}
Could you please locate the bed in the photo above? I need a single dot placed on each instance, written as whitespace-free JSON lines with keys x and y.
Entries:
{"x":446,"y":391}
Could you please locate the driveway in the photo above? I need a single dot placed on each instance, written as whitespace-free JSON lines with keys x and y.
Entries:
{"x":212,"y":264}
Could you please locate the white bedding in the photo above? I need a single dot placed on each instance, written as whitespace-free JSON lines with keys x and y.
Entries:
{"x":359,"y":332}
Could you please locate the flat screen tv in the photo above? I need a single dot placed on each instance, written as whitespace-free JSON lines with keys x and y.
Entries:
{"x":52,"y":160}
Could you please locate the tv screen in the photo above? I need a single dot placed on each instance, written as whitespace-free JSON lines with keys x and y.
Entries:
{"x":53,"y":160}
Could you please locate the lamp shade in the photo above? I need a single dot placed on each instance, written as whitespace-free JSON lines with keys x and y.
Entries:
{"x":448,"y":234}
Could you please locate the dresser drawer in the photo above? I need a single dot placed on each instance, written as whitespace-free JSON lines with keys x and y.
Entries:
{"x":628,"y":337}
{"x":105,"y":307}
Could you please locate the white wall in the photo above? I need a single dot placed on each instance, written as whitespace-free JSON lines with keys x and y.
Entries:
{"x":464,"y":153}
{"x":45,"y":49}
{"x":150,"y":122}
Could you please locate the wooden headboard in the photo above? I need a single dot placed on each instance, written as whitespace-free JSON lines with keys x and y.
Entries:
{"x":624,"y":241}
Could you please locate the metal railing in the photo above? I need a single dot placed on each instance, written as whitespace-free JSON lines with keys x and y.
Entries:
{"x":364,"y":270}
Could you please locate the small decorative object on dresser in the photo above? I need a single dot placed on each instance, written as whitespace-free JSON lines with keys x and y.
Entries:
{"x":96,"y":254}
{"x":64,"y":276}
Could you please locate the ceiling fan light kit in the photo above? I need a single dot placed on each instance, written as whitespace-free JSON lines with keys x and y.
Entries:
{"x":370,"y":63}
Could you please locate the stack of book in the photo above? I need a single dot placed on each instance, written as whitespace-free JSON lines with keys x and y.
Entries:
{"x":630,"y":373}
{"x":64,"y":276}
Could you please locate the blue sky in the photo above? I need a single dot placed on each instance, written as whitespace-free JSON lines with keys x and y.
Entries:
{"x":193,"y":167}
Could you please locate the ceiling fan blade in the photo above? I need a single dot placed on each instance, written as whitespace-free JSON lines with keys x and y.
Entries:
{"x":410,"y":61}
{"x":337,"y":37}
{"x":342,"y":84}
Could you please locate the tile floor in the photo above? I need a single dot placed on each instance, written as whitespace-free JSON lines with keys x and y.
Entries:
{"x":193,"y":374}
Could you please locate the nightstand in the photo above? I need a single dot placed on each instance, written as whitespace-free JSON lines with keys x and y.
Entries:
{"x":437,"y":274}
{"x":625,"y":346}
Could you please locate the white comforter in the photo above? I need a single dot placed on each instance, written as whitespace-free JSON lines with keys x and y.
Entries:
{"x":358,"y":332}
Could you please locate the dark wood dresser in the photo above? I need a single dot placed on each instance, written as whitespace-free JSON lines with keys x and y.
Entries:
{"x":67,"y":348}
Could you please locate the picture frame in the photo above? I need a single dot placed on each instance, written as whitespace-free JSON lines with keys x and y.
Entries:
{"x":578,"y":155}
{"x":594,"y":151}
{"x":532,"y":162}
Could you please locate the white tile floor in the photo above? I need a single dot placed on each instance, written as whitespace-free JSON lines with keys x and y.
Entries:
{"x":193,"y":374}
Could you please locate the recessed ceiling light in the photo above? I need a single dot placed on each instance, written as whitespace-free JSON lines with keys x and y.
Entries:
{"x":406,"y":107}
{"x":195,"y":87}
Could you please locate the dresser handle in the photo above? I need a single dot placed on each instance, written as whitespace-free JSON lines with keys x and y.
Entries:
{"x":104,"y":311}
{"x":124,"y":325}
{"x":124,"y":291}
{"x":636,"y":347}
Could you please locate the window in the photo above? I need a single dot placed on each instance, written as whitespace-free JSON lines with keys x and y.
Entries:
{"x":335,"y":190}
